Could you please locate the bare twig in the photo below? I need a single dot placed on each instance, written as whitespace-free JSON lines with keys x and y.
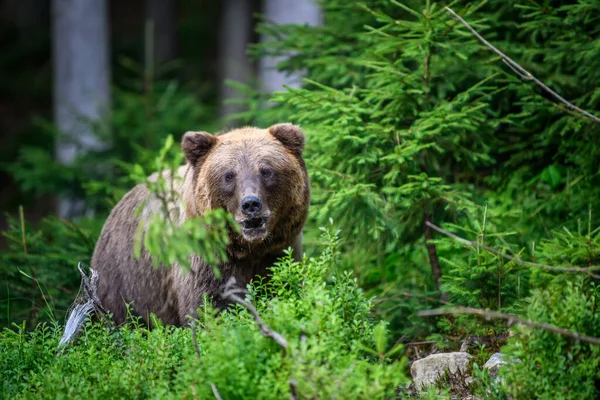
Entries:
{"x":230,"y":292}
{"x":518,"y":260}
{"x":436,"y":269}
{"x":512,"y":319}
{"x":408,"y":294}
{"x":293,"y":391}
{"x":215,"y":391}
{"x":420,"y":343}
{"x":520,"y":71}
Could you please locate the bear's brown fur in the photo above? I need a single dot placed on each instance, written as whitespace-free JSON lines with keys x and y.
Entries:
{"x":258,"y":175}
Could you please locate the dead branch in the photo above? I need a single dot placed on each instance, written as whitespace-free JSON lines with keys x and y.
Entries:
{"x":520,"y":71}
{"x":408,"y":294}
{"x":231,"y":292}
{"x":518,"y":260}
{"x":215,"y":391}
{"x":512,"y":319}
{"x":87,"y":303}
{"x":90,"y":285}
{"x":293,"y":391}
{"x":420,"y":343}
{"x":436,"y":270}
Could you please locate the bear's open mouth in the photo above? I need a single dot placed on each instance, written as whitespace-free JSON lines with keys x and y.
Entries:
{"x":254,"y":223}
{"x":254,"y":229}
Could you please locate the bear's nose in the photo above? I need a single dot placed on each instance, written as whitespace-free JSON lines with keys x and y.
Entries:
{"x":251,"y":205}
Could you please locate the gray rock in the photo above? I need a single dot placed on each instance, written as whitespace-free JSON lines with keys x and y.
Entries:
{"x":495,"y":362}
{"x":427,"y":370}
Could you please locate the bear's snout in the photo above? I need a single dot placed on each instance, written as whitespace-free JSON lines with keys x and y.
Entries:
{"x":251,"y":205}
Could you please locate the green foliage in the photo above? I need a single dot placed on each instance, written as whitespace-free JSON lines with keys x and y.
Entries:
{"x":327,"y":326}
{"x":166,"y":235}
{"x":551,"y":365}
{"x":39,"y":277}
{"x":398,"y":130}
{"x":409,"y":115}
{"x":477,"y":278}
{"x":409,"y":119}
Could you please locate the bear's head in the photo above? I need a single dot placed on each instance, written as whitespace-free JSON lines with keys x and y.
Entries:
{"x":257,"y":175}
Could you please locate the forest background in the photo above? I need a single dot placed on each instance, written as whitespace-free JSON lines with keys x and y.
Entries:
{"x":415,"y":130}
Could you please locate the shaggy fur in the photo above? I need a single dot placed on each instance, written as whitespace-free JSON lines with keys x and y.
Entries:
{"x":219,"y":172}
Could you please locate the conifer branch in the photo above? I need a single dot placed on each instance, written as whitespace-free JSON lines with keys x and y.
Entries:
{"x":516,"y":259}
{"x":512,"y":319}
{"x":520,"y":71}
{"x":230,"y":292}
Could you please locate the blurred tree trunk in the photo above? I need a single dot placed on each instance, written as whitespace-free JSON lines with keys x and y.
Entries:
{"x":234,"y":36}
{"x":81,"y":81}
{"x":162,"y":15}
{"x":285,"y":12}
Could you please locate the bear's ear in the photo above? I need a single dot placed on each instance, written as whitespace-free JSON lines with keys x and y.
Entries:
{"x":196,"y":145}
{"x":290,"y":135}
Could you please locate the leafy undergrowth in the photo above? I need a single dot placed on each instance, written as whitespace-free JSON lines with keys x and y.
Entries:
{"x":335,"y":349}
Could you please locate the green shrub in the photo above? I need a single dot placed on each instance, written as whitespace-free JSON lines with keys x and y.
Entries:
{"x":38,"y":268}
{"x":334,"y":347}
{"x":409,"y":119}
{"x":552,"y":366}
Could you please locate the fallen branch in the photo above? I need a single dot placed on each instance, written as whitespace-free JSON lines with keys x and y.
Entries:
{"x":512,"y":319}
{"x":215,"y":391}
{"x":520,"y":71}
{"x":231,"y":292}
{"x":86,"y":303}
{"x":518,"y":260}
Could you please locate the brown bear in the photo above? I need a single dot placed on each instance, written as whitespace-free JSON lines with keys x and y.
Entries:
{"x":257,"y":175}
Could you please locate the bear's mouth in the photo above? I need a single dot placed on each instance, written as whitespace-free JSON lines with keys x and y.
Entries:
{"x":254,"y":228}
{"x":254,"y":223}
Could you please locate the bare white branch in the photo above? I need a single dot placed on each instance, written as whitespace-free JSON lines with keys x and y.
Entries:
{"x":230,"y":292}
{"x":518,"y":260}
{"x":512,"y":319}
{"x":520,"y":71}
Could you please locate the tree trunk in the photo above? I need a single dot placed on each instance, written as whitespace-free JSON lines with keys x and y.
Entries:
{"x":285,"y":12}
{"x":81,"y":81}
{"x":162,"y":15}
{"x":436,"y":269}
{"x":234,"y":36}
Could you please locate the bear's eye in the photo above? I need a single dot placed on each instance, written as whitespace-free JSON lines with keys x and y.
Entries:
{"x":266,"y":173}
{"x":229,"y":176}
